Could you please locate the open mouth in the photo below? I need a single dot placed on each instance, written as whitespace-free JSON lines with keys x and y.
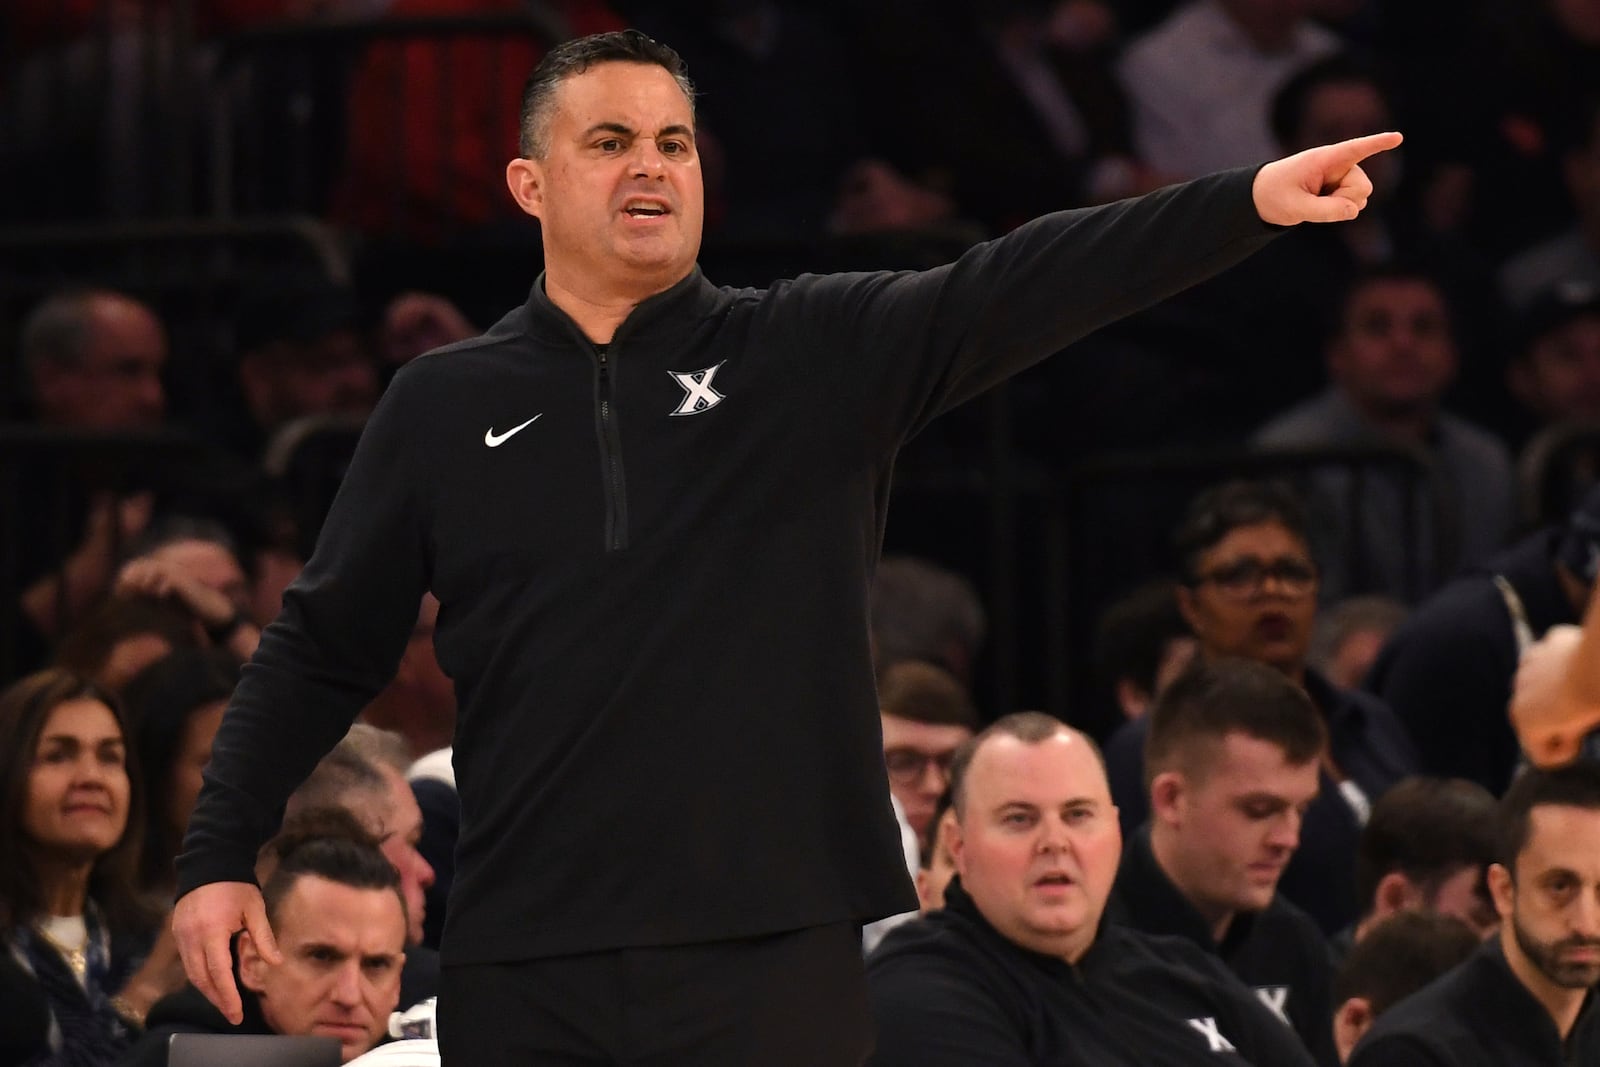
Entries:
{"x":643,"y":209}
{"x":1054,"y":880}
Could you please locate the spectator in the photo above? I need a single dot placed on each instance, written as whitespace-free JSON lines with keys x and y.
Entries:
{"x":365,"y":776}
{"x":1347,"y":638}
{"x":1575,"y":254}
{"x":70,"y":918}
{"x":1389,"y":363}
{"x":922,"y":611}
{"x":1018,"y":967}
{"x":1231,"y":758}
{"x":926,"y":715}
{"x":176,"y":705}
{"x":93,"y":359}
{"x":194,"y":565}
{"x":1141,"y":643}
{"x":1426,"y":848}
{"x":1201,"y":81}
{"x":1554,"y":372}
{"x":1518,"y":999}
{"x":339,"y":921}
{"x":1448,"y":669}
{"x":1399,"y":955}
{"x":1249,"y":590}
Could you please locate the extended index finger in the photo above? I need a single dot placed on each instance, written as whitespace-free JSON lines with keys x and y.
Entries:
{"x":1356,"y":149}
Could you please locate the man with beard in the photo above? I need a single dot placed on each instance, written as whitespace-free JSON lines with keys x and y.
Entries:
{"x":1521,"y":998}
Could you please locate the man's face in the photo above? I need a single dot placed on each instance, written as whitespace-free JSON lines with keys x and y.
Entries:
{"x":1253,"y":597}
{"x":1037,"y":843}
{"x":1558,"y":379}
{"x":342,"y":948}
{"x":932,"y":879}
{"x":1462,"y":896}
{"x":917,"y":756}
{"x":619,"y":195}
{"x":1550,"y":913}
{"x":332,"y":375}
{"x":1394,"y":353}
{"x":1233,"y":822}
{"x":116,"y":385}
{"x":400,"y":830}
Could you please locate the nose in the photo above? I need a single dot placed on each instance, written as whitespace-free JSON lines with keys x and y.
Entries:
{"x":933,"y":780}
{"x":647,"y":158}
{"x":346,"y":991}
{"x":1285,"y":831}
{"x":425,"y":873}
{"x":1053,"y":835}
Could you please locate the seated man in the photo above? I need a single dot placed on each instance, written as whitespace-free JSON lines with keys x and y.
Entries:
{"x":1426,"y":848}
{"x":1520,"y":998}
{"x":1232,"y":757}
{"x":925,"y":715}
{"x":1399,"y":956}
{"x":364,"y":775}
{"x":1017,"y":969}
{"x":336,"y":911}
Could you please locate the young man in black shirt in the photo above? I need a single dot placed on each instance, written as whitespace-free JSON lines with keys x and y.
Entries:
{"x":1524,"y":998}
{"x":1233,"y":756}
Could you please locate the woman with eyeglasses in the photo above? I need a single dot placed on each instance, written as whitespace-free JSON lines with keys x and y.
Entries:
{"x":1249,"y":589}
{"x":72,"y":930}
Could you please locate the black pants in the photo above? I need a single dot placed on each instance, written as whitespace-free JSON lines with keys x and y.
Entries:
{"x":794,"y":998}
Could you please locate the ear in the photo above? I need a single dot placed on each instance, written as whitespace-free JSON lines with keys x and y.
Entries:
{"x":1502,"y":890}
{"x":1350,"y":1022}
{"x":1168,"y":791}
{"x":525,"y":179}
{"x":1394,"y":893}
{"x":1132,"y":698}
{"x":252,"y":968}
{"x":956,"y":841}
{"x":1186,"y":607}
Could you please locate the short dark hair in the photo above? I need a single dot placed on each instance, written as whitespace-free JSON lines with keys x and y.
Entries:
{"x":1400,"y":955}
{"x":575,"y":57}
{"x":1213,"y":698}
{"x":1397,"y":270}
{"x":924,"y":693}
{"x":1426,"y":829}
{"x":1574,"y":786}
{"x":1132,"y":635}
{"x":25,"y":708}
{"x":1029,"y":727}
{"x":1221,"y":509}
{"x":328,"y":843}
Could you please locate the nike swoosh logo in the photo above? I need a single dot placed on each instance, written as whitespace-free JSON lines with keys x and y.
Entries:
{"x":495,"y":440}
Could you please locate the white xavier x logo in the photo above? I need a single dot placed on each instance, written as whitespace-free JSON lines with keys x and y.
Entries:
{"x":1208,"y":1027}
{"x":698,"y":394}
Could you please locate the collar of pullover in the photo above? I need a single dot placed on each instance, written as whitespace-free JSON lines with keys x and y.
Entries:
{"x":663,"y":316}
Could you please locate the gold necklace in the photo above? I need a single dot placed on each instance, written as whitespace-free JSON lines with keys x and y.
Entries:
{"x":77,"y":959}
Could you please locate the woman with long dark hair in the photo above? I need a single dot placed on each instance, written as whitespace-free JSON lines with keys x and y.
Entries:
{"x":73,"y":932}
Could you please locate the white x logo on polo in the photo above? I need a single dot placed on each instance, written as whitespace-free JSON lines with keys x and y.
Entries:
{"x":698,"y":394}
{"x":1208,"y":1029}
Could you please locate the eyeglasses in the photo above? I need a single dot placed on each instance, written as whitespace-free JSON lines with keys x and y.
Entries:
{"x":907,"y":766}
{"x":1247,"y":577}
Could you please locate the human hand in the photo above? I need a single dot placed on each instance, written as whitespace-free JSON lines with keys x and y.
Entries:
{"x":203,"y":924}
{"x":415,"y":323}
{"x":164,"y":580}
{"x":160,"y":974}
{"x":1323,"y":184}
{"x":1548,"y":713}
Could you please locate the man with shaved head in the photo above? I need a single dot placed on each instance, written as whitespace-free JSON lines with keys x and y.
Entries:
{"x":1018,"y":969}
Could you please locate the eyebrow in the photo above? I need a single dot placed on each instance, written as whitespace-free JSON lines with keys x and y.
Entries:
{"x":678,"y":129}
{"x":71,"y":739}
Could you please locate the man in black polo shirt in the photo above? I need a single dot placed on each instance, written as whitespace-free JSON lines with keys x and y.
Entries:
{"x":1018,"y":969}
{"x":1232,"y":757}
{"x":1521,"y":1000}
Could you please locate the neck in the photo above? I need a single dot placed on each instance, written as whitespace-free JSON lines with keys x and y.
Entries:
{"x":1164,"y":846}
{"x":64,"y":887}
{"x":598,"y":309}
{"x":1562,"y":1003}
{"x":1409,"y":425}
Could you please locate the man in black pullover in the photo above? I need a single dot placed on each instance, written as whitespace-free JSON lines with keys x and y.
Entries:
{"x":650,"y":509}
{"x":1018,"y":968}
{"x":1232,"y":759}
{"x":1525,"y":999}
